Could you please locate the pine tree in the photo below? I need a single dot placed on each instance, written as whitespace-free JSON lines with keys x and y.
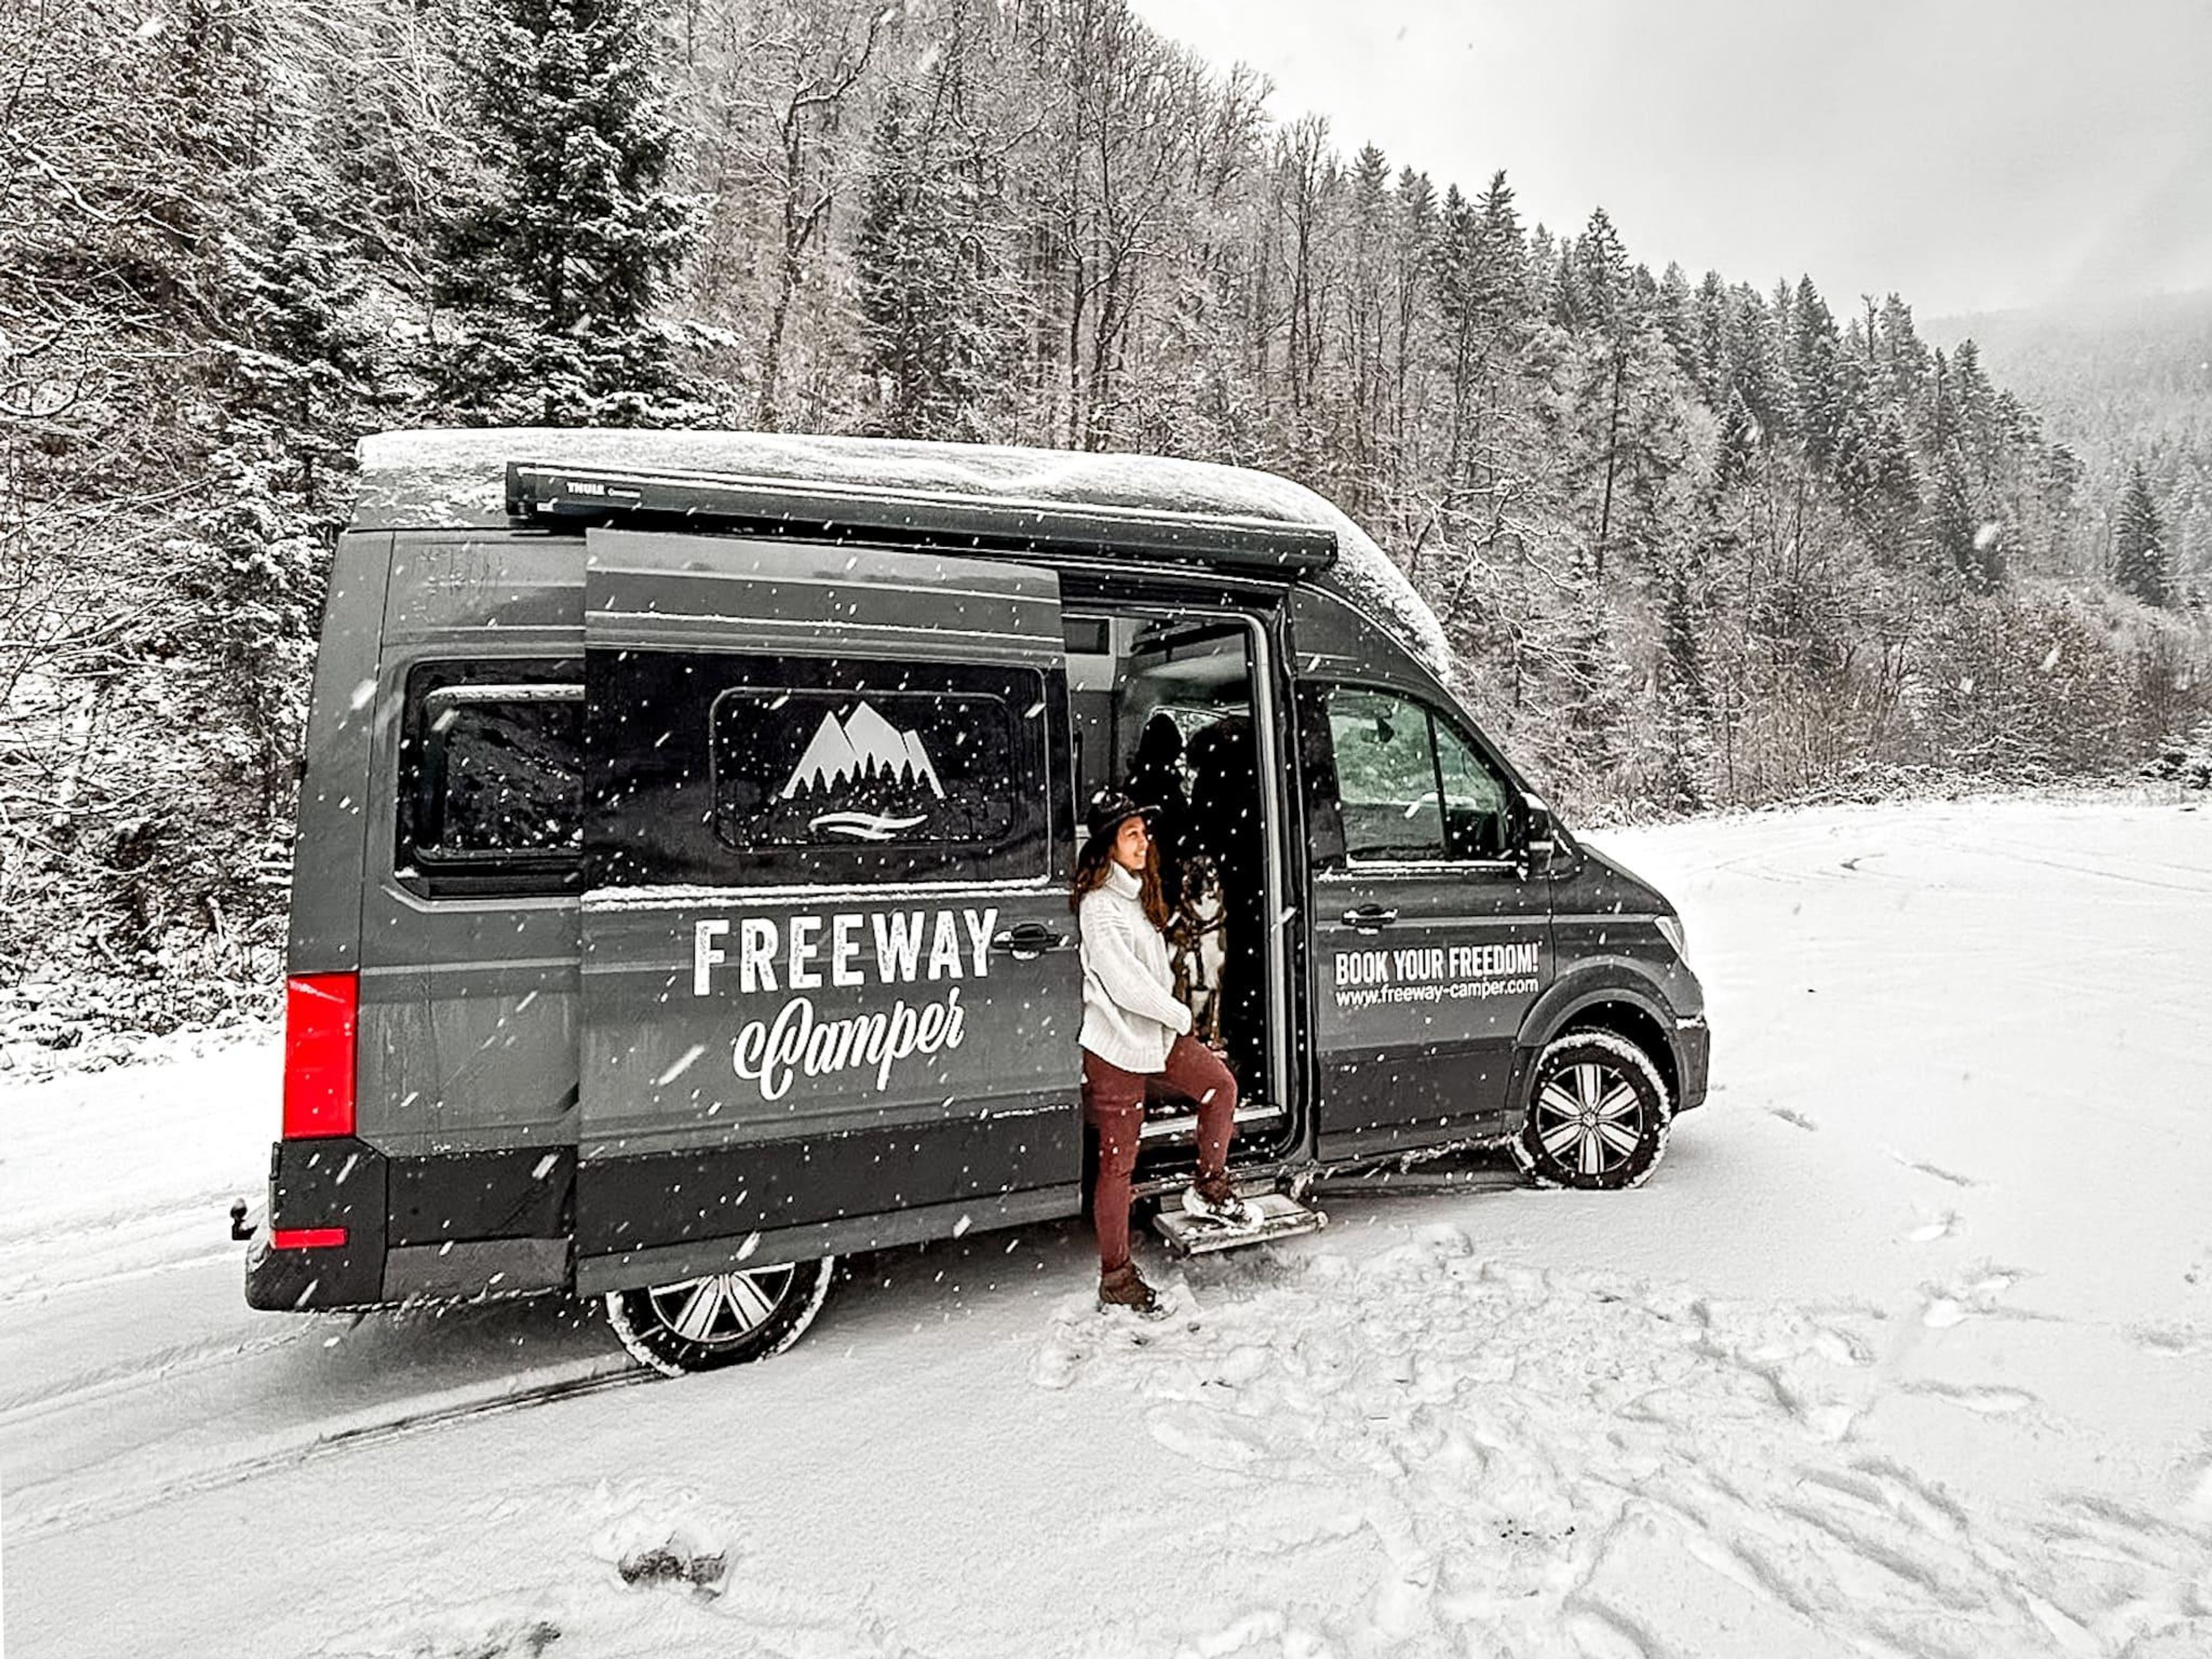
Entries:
{"x":295,"y":399}
{"x":1678,"y":322}
{"x":2139,"y":561}
{"x":1685,"y":693}
{"x":1412,"y":292}
{"x":938,"y":329}
{"x":1756,"y":363}
{"x":1816,"y":362}
{"x":553,"y":263}
{"x":1711,"y":306}
{"x":1954,"y":529}
{"x":1901,"y":357}
{"x":1619,"y":413}
{"x":1481,"y":283}
{"x":300,"y":358}
{"x":1363,"y":416}
{"x":1979,"y":415}
{"x":1592,"y":688}
{"x":1735,"y":453}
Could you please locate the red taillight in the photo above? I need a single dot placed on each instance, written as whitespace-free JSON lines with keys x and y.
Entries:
{"x":318,"y":1029}
{"x":307,"y":1238}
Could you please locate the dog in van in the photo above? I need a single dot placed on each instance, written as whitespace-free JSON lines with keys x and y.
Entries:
{"x":1195,"y":945}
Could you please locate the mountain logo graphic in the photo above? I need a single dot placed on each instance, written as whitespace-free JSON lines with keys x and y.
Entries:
{"x":863,"y":749}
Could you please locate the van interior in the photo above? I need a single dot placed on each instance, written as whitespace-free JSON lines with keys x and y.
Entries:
{"x":1166,"y":706}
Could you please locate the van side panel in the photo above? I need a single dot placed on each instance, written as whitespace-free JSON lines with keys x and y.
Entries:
{"x":468,"y":1021}
{"x":325,"y":935}
{"x":1334,"y":639}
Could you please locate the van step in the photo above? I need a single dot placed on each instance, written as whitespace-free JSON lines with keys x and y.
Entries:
{"x":1280,"y":1216}
{"x":1183,"y":1126}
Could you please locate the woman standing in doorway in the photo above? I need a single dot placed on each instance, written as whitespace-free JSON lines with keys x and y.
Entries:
{"x":1134,"y":1029}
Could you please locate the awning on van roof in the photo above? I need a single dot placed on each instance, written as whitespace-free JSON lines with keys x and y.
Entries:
{"x":1131,"y":503}
{"x":597,"y":495}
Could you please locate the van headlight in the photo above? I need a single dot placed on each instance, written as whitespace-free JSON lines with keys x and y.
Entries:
{"x":1670,"y":929}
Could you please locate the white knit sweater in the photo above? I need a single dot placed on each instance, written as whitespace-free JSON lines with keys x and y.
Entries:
{"x":1130,"y":1015}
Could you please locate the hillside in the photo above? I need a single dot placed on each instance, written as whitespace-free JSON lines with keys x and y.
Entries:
{"x":2120,"y":385}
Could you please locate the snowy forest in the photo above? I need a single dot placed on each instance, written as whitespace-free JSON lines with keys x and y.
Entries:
{"x":1698,"y":539}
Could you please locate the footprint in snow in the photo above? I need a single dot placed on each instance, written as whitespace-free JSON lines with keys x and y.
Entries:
{"x":1942,"y":1227}
{"x":2198,"y":1503}
{"x":1919,"y":1167}
{"x":468,"y":1632}
{"x":1954,"y":1303}
{"x":1206,"y":1437}
{"x":654,"y":1536}
{"x":1793,"y":1117}
{"x":1840,"y":1347}
{"x":1982,"y":1401}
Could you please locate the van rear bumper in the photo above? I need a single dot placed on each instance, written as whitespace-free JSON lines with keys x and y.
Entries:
{"x":332,"y":1189}
{"x":453,"y":1224}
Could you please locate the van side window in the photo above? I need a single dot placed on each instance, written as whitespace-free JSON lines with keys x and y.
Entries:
{"x":1410,"y":786}
{"x":491,"y":788}
{"x":1477,"y":803}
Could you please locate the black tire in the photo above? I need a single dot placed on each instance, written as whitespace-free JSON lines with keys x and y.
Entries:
{"x":1597,"y":1115}
{"x":720,"y":1319}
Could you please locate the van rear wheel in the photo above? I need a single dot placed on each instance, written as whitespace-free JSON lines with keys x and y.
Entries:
{"x":1598,"y":1114}
{"x":720,"y":1319}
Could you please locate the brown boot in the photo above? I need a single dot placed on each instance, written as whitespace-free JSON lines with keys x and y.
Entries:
{"x":1125,"y":1287}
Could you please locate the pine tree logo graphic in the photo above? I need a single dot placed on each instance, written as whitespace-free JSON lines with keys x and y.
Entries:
{"x":864,"y":752}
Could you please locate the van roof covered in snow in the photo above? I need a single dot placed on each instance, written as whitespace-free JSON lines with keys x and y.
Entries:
{"x":1001,"y":496}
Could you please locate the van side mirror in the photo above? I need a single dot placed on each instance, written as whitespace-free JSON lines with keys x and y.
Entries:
{"x":1540,"y":839}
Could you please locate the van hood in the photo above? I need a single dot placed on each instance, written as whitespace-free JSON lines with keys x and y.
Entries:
{"x":1616,"y":885}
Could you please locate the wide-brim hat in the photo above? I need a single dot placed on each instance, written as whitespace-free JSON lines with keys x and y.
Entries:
{"x":1108,"y":810}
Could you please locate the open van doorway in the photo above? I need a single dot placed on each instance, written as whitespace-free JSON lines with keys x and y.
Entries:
{"x":1172,"y":705}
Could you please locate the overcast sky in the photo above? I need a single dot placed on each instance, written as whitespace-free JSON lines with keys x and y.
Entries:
{"x":1971,"y":155}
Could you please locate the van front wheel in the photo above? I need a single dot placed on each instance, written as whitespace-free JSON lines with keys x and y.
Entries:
{"x":722,"y":1319}
{"x":1598,"y":1114}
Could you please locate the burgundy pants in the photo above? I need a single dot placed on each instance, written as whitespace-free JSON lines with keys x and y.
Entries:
{"x":1114,"y":1104}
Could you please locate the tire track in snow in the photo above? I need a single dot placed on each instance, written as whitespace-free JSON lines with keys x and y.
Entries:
{"x":332,"y":1438}
{"x":140,"y":1370}
{"x":2109,"y":870}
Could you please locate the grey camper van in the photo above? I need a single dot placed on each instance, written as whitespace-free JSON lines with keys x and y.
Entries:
{"x":680,"y":895}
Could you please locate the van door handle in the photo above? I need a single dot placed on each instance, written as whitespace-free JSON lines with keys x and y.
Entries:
{"x":1027,"y":939}
{"x":1371,"y":918}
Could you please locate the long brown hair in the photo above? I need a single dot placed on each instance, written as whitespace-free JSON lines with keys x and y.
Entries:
{"x":1090,"y":875}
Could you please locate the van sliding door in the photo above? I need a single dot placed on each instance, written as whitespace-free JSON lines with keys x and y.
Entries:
{"x":830,"y":991}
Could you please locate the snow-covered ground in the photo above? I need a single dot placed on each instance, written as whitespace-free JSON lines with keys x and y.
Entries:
{"x":1905,"y":1350}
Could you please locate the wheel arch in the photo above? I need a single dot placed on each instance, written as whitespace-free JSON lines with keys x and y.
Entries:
{"x":1610,"y":996}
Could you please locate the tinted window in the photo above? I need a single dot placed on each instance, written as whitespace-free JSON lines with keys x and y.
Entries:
{"x":1386,"y":776}
{"x":490,"y":777}
{"x":1476,"y":798}
{"x":732,"y":770}
{"x":1409,"y":785}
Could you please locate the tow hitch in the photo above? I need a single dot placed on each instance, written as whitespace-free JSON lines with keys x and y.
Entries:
{"x":240,"y":1229}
